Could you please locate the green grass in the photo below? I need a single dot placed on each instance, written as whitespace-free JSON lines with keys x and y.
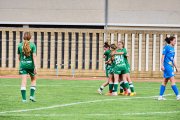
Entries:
{"x":88,"y":104}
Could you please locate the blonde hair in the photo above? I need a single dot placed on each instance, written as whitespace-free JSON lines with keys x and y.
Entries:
{"x":121,"y":43}
{"x":113,"y":46}
{"x":26,"y":44}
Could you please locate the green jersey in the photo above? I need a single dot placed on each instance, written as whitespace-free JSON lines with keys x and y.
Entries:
{"x":119,"y":59}
{"x":107,"y":53}
{"x":125,"y":59}
{"x":26,"y":62}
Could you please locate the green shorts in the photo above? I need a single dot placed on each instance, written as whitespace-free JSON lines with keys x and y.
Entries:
{"x":120,"y":69}
{"x":23,"y":71}
{"x":109,"y":70}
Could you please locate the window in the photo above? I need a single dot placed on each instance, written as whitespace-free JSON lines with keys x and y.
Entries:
{"x":97,"y":51}
{"x":55,"y":49}
{"x":83,"y":51}
{"x":49,"y":50}
{"x":90,"y":50}
{"x":0,"y":48}
{"x":62,"y":55}
{"x":42,"y":48}
{"x":7,"y":48}
{"x":76,"y":50}
{"x":35,"y":38}
{"x":69,"y":51}
{"x":14,"y":49}
{"x":21,"y":36}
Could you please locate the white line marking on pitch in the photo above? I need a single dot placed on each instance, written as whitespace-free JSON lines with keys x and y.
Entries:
{"x":76,"y":103}
{"x":100,"y":114}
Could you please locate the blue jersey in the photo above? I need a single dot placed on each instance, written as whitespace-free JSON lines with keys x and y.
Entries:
{"x":169,"y":54}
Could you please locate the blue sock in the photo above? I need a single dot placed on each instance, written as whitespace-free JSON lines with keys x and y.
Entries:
{"x":175,"y":89}
{"x":162,"y":89}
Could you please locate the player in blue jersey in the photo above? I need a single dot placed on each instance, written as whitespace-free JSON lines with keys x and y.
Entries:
{"x":167,"y":66}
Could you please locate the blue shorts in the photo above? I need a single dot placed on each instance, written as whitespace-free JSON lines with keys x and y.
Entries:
{"x":168,"y":72}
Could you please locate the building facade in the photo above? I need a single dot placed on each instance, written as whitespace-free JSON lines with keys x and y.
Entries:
{"x":69,"y":34}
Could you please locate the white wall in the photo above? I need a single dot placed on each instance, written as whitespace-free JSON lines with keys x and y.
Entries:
{"x":82,"y":12}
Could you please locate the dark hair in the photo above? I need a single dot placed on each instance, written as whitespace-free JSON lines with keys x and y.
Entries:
{"x":106,"y":45}
{"x":113,"y":46}
{"x":169,"y":39}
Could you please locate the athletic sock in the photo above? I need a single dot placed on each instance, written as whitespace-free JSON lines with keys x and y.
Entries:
{"x":121,"y":86}
{"x":115,"y":87}
{"x":175,"y":89}
{"x":162,"y":89}
{"x":23,"y":93}
{"x":131,"y":86}
{"x":126,"y":85}
{"x":32,"y":91}
{"x":101,"y":88}
{"x":111,"y":87}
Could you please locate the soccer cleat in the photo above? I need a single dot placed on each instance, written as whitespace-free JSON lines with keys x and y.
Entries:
{"x":32,"y":99}
{"x":24,"y":101}
{"x":108,"y":94}
{"x":100,"y":91}
{"x":121,"y":93}
{"x":132,"y":94}
{"x":161,"y":98}
{"x":114,"y":94}
{"x":178,"y":97}
{"x":126,"y":93}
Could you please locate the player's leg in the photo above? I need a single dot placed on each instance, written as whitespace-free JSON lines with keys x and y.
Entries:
{"x":33,"y":88}
{"x":23,"y":87}
{"x":101,"y":88}
{"x":116,"y":79}
{"x":162,"y":89}
{"x":111,"y":83}
{"x":174,"y":87}
{"x":130,"y":83}
{"x":122,"y":87}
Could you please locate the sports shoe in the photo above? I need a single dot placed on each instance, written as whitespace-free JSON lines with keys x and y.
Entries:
{"x":161,"y":98}
{"x":32,"y":99}
{"x":100,"y":91}
{"x":178,"y":97}
{"x":121,"y":93}
{"x":132,"y":94}
{"x":108,"y":94}
{"x":114,"y":94}
{"x":24,"y":101}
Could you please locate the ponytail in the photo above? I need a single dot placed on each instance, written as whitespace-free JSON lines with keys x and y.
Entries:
{"x":169,"y":39}
{"x":106,"y":45}
{"x":26,"y":44}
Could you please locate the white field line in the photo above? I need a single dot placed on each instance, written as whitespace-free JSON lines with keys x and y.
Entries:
{"x":98,"y":114}
{"x":75,"y":103}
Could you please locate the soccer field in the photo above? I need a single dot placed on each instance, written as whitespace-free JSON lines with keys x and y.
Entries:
{"x":78,"y":100}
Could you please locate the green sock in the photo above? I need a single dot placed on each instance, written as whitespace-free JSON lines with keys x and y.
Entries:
{"x":23,"y":93}
{"x":126,"y":85}
{"x":115,"y":87}
{"x":131,"y":87}
{"x":32,"y":91}
{"x":121,"y":86}
{"x":110,"y":87}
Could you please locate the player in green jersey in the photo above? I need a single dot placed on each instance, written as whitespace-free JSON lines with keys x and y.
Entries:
{"x":122,"y":84}
{"x":27,"y":59}
{"x":128,"y":74}
{"x":120,"y":69}
{"x":110,"y":70}
{"x":106,"y":57}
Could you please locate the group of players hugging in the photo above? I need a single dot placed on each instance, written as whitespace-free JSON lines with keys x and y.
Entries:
{"x":117,"y":70}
